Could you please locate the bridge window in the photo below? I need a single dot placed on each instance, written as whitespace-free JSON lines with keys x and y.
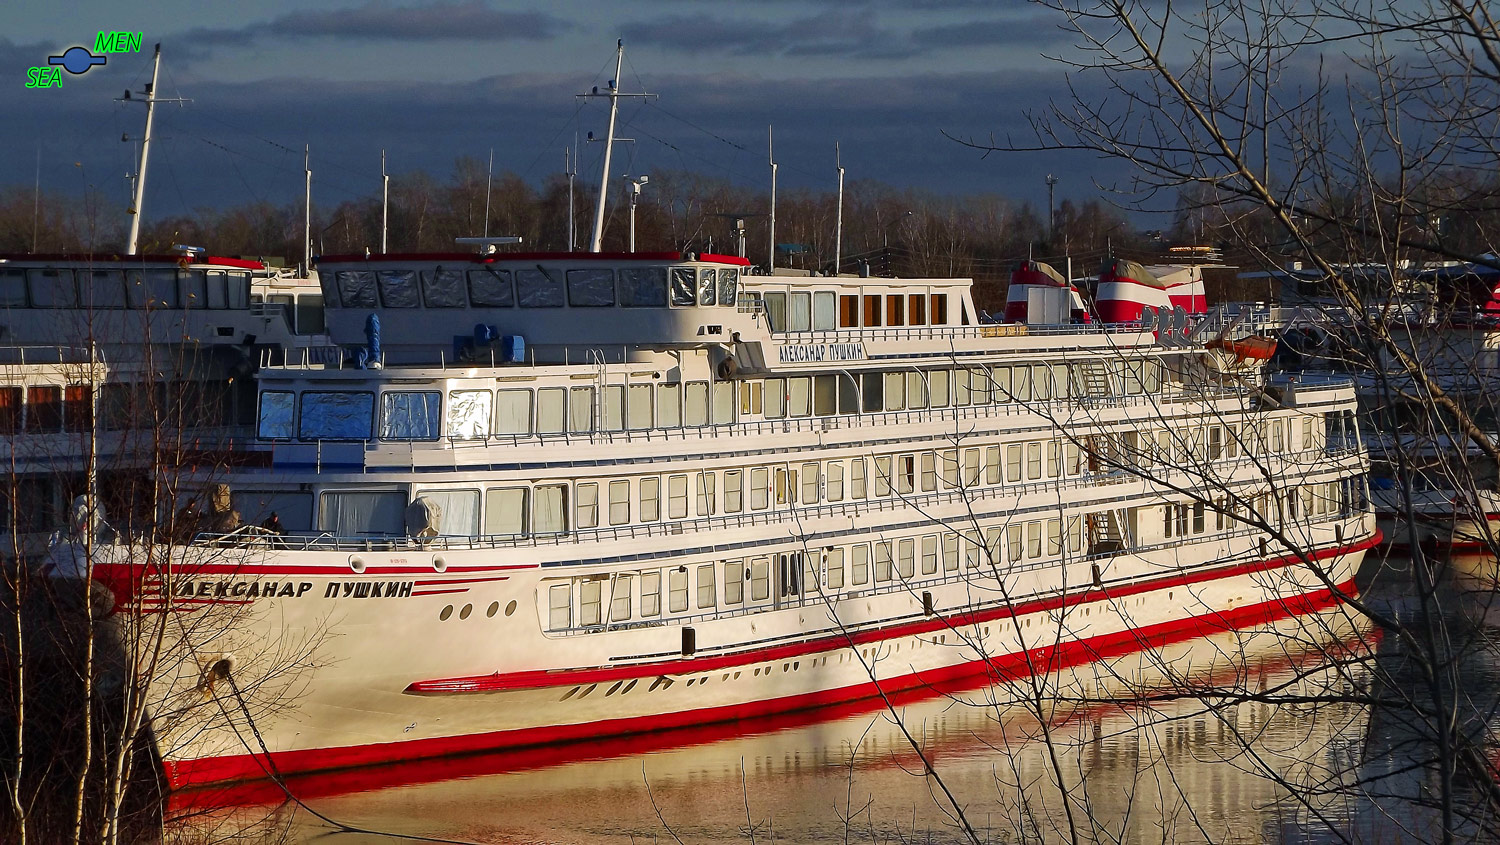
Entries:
{"x":52,"y":288}
{"x":194,"y":288}
{"x":939,"y":307}
{"x":410,"y":415}
{"x":825,"y":310}
{"x":103,"y":288}
{"x":895,"y":314}
{"x":683,"y":279}
{"x":151,"y":288}
{"x":336,"y":415}
{"x":708,"y":286}
{"x":872,"y":311}
{"x":538,"y":289}
{"x":848,"y":311}
{"x":13,"y":288}
{"x":591,"y":288}
{"x":445,"y":288}
{"x":469,"y":413}
{"x":357,"y":289}
{"x":916,"y":310}
{"x":729,"y":279}
{"x":277,"y":414}
{"x":799,"y":313}
{"x":643,"y":287}
{"x":491,"y":288}
{"x":44,"y":407}
{"x":776,"y":310}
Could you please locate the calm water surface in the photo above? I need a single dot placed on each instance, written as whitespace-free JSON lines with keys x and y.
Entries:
{"x":1180,"y":766}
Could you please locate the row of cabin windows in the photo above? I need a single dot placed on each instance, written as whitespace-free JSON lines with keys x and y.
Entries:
{"x":113,"y":289}
{"x":489,"y":287}
{"x":782,"y":579}
{"x":478,"y":413}
{"x":123,"y":406}
{"x":826,"y":310}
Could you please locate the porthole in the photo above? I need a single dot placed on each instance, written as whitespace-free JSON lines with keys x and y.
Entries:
{"x":628,"y":687}
{"x":464,"y":614}
{"x":510,"y":608}
{"x":757,"y":671}
{"x":614,"y":689}
{"x":492,"y":610}
{"x":736,"y":676}
{"x":447,"y":612}
{"x":586,"y":692}
{"x":570,"y":693}
{"x":796,"y":665}
{"x":725,"y":678}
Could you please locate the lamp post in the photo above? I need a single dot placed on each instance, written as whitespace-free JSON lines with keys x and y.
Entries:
{"x":1051,"y":206}
{"x":635,"y":184}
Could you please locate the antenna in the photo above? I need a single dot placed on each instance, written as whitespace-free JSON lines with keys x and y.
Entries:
{"x":614,"y":95}
{"x":489,"y":182}
{"x":838,"y":226}
{"x":140,"y":177}
{"x":307,"y":212}
{"x":570,"y":167}
{"x":385,"y":202}
{"x":771,"y":154}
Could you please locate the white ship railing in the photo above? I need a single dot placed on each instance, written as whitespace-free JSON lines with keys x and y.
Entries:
{"x":771,"y":516}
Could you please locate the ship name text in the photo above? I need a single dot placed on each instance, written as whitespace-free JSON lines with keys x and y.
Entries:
{"x":815,"y":353}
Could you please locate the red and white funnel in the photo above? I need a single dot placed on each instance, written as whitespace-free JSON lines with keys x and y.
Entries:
{"x":1030,"y":276}
{"x":1126,"y":287}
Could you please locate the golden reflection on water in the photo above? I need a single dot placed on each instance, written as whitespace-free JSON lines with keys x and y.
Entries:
{"x":1180,"y":766}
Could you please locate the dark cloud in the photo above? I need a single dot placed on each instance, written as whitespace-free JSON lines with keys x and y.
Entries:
{"x":468,"y":20}
{"x":1036,"y":29}
{"x":842,"y":32}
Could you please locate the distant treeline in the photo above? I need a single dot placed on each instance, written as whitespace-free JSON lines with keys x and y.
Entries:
{"x":904,"y":232}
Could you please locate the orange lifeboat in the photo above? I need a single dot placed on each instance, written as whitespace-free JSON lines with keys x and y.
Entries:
{"x":1253,"y":348}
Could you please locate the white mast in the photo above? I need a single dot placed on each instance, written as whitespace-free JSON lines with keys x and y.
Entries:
{"x":614,"y":95}
{"x":569,"y":168}
{"x":771,"y":154}
{"x":838,"y":226}
{"x":385,"y":202}
{"x":140,"y":176}
{"x":489,"y":182}
{"x":307,"y":212}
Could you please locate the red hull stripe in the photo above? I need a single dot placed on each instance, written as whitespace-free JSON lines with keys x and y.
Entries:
{"x":190,"y":773}
{"x":605,"y":674}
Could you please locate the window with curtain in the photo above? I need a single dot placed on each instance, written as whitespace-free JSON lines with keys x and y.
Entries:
{"x":734,"y":582}
{"x":799,"y":312}
{"x":550,"y":410}
{"x":586,"y":505}
{"x":458,"y":511}
{"x":825,"y":310}
{"x":469,"y":413}
{"x":676,"y":496}
{"x":356,"y":514}
{"x":580,"y":410}
{"x":668,"y":405}
{"x":697,"y":403}
{"x":650,"y":499}
{"x":513,"y":412}
{"x":506,"y":511}
{"x":619,"y":502}
{"x":723,"y":402}
{"x":638,"y":407}
{"x":549,"y":509}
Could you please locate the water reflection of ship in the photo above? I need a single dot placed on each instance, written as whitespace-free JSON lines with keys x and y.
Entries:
{"x":969,"y":738}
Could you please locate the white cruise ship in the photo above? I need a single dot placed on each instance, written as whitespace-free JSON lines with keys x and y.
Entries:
{"x":556,"y":497}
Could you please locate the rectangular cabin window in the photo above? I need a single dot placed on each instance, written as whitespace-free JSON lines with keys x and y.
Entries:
{"x":13,"y":287}
{"x":1053,"y":532}
{"x":1041,"y":382}
{"x":1033,"y":461}
{"x":734,"y":582}
{"x":336,"y":415}
{"x":457,"y":510}
{"x":1015,"y":541}
{"x":906,"y":473}
{"x":883,"y":475}
{"x":706,"y":493}
{"x":734,"y":481}
{"x":799,"y":396}
{"x":591,"y":288}
{"x":78,"y":407}
{"x":398,"y":288}
{"x":939,"y":308}
{"x":278,"y":414}
{"x":810,"y":482}
{"x":895,"y":391}
{"x":760,"y":579}
{"x":293,"y":510}
{"x":895,"y":310}
{"x":677,"y":486}
{"x":799,"y":312}
{"x":650,"y":499}
{"x":1013,"y":463}
{"x":992,"y":465}
{"x":859,"y":565}
{"x":950,"y":552}
{"x":614,"y":407}
{"x":683,"y":289}
{"x":619,"y":502}
{"x":872,"y":311}
{"x":971,"y":466}
{"x":1033,"y":540}
{"x":708,"y":287}
{"x":848,"y":311}
{"x":929,"y":472}
{"x":154,"y":289}
{"x":697,"y":403}
{"x":643,"y":287}
{"x":760,"y":488}
{"x":833,"y":564}
{"x":351,"y":514}
{"x":445,"y":288}
{"x":506,"y":511}
{"x":948,"y":468}
{"x":620,"y":598}
{"x":194,"y":288}
{"x":586,"y":505}
{"x":775,"y":393}
{"x":930,"y":554}
{"x":723,"y":402}
{"x":668,"y":405}
{"x":961,"y":392}
{"x":580,"y":410}
{"x":539,"y":289}
{"x":848,"y":390}
{"x":883,"y":557}
{"x":857,"y":482}
{"x":638,"y":407}
{"x":11,"y":409}
{"x":835,"y":483}
{"x":651,"y":593}
{"x":871,"y":389}
{"x":491,"y":288}
{"x":916,"y":310}
{"x":513,"y":412}
{"x":916,"y":390}
{"x":410,"y":415}
{"x":356,"y":289}
{"x":775,"y":303}
{"x":590,"y":591}
{"x":729,"y":283}
{"x":937,"y":383}
{"x":560,"y":607}
{"x":101,"y":288}
{"x":825,"y":311}
{"x":469,"y":413}
{"x":550,"y":410}
{"x":549,"y":511}
{"x":52,"y":288}
{"x":708,"y":591}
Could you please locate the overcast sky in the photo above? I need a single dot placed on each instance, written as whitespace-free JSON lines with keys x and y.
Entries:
{"x":429,"y":81}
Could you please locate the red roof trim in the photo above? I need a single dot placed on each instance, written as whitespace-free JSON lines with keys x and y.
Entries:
{"x":55,"y":257}
{"x":527,"y":256}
